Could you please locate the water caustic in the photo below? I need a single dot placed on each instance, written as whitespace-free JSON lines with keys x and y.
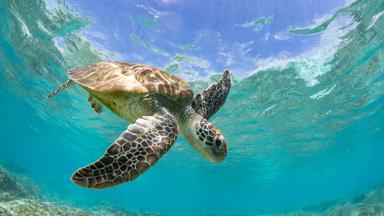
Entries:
{"x":303,"y":120}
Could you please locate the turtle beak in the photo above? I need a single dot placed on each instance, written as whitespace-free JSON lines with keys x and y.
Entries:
{"x":218,"y":154}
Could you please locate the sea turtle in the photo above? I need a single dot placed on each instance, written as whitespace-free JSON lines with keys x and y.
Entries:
{"x":159,"y":105}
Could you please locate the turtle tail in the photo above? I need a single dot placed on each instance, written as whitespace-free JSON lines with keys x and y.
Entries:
{"x":62,"y":87}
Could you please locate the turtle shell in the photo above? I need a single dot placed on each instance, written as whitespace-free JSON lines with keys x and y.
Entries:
{"x":119,"y":77}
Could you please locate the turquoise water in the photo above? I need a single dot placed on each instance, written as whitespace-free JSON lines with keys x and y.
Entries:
{"x":303,"y":129}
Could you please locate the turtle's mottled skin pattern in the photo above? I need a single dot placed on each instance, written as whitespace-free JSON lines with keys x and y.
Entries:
{"x":137,"y":149}
{"x":205,"y":133}
{"x":210,"y":100}
{"x":95,"y":104}
{"x":159,"y":106}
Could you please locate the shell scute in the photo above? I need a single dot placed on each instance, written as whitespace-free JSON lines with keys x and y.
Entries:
{"x":118,"y":77}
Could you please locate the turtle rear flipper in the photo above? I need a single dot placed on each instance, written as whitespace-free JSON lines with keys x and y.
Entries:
{"x":95,"y":104}
{"x":138,"y":148}
{"x":209,"y":101}
{"x":61,"y":88}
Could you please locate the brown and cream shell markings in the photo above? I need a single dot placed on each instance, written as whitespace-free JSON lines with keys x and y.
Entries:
{"x":114,"y":77}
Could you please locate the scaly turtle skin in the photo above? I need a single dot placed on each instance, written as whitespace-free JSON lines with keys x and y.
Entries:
{"x":159,"y":105}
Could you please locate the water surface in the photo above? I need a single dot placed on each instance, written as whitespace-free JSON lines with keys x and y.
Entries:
{"x":304,"y":119}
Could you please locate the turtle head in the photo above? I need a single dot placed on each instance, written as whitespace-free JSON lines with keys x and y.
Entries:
{"x":203,"y":136}
{"x":208,"y":140}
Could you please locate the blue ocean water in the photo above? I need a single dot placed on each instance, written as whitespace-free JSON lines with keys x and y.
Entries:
{"x":304,"y":118}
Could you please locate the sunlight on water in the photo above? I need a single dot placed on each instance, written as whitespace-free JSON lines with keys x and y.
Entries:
{"x":305,"y":130}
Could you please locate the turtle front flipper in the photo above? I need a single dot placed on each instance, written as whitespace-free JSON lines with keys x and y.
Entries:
{"x":95,"y":104}
{"x":208,"y":102}
{"x":137,"y":149}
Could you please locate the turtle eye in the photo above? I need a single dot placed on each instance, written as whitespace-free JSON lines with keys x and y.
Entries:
{"x":218,"y":141}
